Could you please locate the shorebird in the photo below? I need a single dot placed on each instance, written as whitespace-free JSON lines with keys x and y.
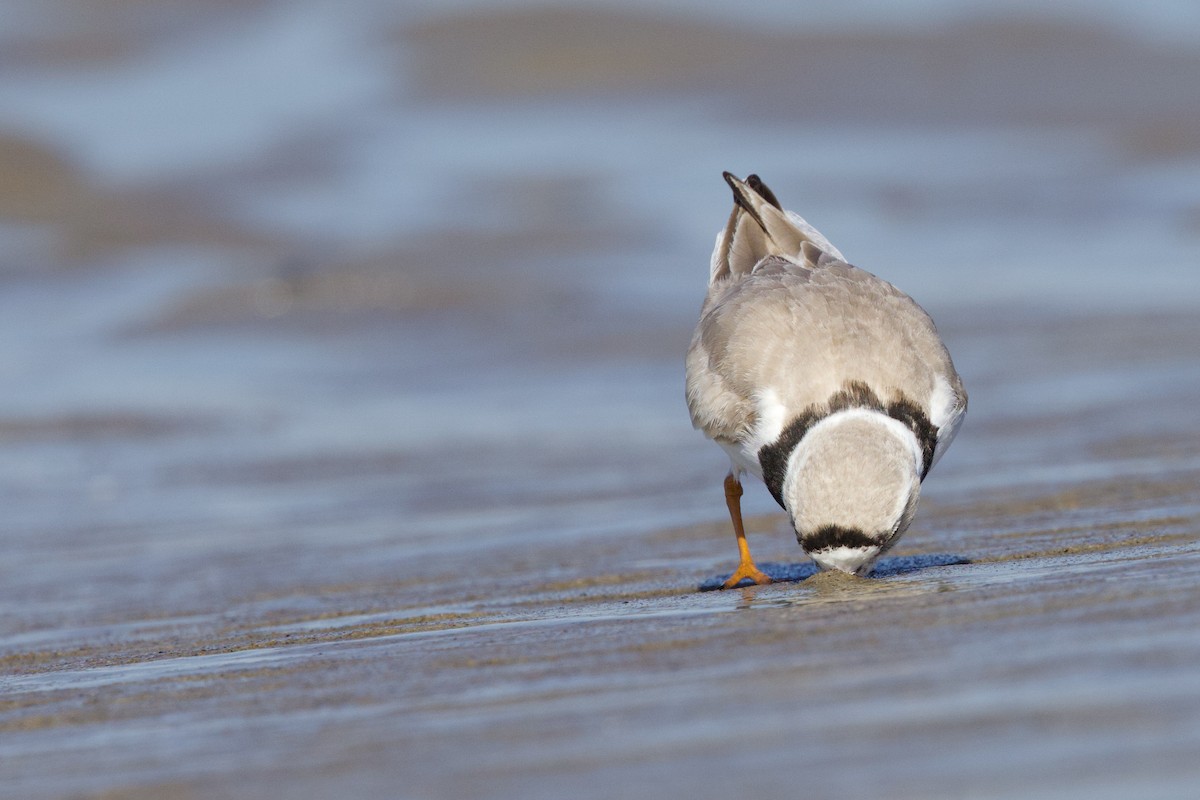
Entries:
{"x":829,"y":384}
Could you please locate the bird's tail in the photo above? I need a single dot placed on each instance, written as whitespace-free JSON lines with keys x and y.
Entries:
{"x":759,"y":227}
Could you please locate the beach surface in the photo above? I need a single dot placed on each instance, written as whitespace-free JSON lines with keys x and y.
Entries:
{"x":343,"y":448}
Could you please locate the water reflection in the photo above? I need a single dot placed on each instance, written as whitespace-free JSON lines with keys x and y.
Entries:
{"x":887,"y":567}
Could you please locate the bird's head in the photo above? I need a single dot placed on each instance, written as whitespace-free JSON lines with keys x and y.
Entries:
{"x":851,"y":488}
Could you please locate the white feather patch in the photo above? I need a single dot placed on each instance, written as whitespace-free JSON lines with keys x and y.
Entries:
{"x":946,"y":413}
{"x":813,"y":235}
{"x":896,"y":427}
{"x":845,"y":559}
{"x":803,"y":451}
{"x":739,"y":463}
{"x":714,"y":263}
{"x":771,"y":416}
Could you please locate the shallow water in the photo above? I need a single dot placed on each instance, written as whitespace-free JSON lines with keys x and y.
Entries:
{"x":343,"y":448}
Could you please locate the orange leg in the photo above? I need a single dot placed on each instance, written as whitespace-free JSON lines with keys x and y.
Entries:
{"x":746,"y":568}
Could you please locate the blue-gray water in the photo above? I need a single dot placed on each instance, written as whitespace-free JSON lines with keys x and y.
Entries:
{"x":342,"y":429}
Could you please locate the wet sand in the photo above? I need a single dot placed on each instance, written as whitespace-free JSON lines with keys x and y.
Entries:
{"x":1033,"y":635}
{"x":327,"y":472}
{"x":1058,"y":657}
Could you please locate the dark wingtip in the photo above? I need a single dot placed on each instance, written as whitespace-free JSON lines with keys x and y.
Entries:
{"x":755,"y":183}
{"x":739,"y":198}
{"x":739,"y":194}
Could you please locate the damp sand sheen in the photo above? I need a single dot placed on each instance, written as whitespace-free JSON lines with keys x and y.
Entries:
{"x":311,"y":490}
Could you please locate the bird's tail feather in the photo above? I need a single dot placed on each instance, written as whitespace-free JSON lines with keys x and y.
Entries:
{"x":759,"y":227}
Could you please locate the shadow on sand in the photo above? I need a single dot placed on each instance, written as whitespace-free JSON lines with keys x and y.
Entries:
{"x":886,"y":568}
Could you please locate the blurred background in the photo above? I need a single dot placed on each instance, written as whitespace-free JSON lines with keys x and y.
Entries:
{"x":362,"y":272}
{"x":298,"y":292}
{"x":324,"y":313}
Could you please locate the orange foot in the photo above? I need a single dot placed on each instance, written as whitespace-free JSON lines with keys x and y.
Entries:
{"x":746,"y":568}
{"x":744,"y":571}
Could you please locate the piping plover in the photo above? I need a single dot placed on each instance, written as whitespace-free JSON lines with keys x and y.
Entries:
{"x":826,"y":382}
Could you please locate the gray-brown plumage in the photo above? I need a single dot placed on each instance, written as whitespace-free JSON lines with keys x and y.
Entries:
{"x":827,"y":382}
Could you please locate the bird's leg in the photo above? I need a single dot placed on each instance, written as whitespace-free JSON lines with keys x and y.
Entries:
{"x":746,"y":568}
